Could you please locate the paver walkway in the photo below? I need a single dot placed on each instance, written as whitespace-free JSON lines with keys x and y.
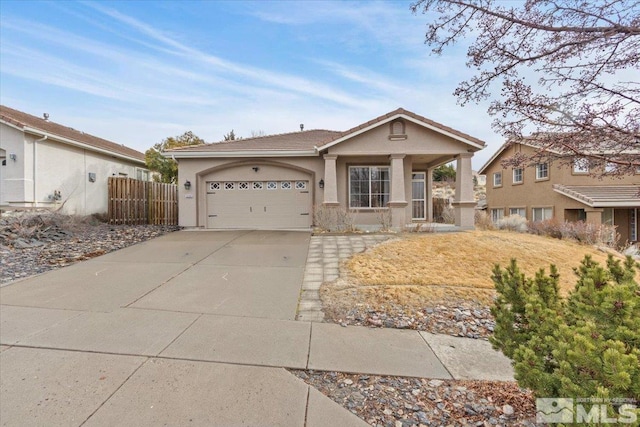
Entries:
{"x":196,"y":328}
{"x":323,"y":265}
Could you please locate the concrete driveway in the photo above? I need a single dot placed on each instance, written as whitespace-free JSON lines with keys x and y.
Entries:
{"x":192,"y":328}
{"x":82,"y":345}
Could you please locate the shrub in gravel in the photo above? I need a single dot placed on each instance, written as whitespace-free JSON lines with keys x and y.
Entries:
{"x":587,"y":346}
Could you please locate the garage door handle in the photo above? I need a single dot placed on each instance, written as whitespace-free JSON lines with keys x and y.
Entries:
{"x":305,"y":213}
{"x":250,"y":209}
{"x":211,"y":216}
{"x":304,"y":191}
{"x":265,"y":208}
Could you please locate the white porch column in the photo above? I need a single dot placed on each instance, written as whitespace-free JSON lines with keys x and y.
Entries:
{"x":330,"y":180}
{"x":398,"y":202}
{"x":464,"y":202}
{"x":429,"y":184}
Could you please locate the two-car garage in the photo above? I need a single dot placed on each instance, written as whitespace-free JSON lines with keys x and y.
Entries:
{"x":258,"y":197}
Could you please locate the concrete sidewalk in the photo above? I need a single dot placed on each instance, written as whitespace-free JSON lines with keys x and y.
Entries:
{"x":196,"y":328}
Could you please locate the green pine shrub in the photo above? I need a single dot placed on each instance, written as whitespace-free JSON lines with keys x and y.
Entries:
{"x":584,"y":346}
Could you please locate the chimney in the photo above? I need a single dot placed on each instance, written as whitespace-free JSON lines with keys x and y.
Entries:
{"x":301,"y":127}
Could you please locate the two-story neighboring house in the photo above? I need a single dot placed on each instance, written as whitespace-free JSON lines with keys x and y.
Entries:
{"x":48,"y":165}
{"x":544,"y":191}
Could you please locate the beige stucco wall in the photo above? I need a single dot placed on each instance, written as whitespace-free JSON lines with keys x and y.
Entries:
{"x":419,"y":140}
{"x":192,"y":202}
{"x":47,"y":166}
{"x":532,"y":193}
{"x":424,"y":149}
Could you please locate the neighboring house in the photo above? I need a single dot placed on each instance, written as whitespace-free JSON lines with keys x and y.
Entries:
{"x":276,"y":181}
{"x":45,"y":164}
{"x":544,"y":191}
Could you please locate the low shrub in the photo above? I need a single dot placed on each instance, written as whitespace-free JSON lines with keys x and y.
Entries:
{"x":333,"y":219}
{"x":587,"y":346}
{"x":548,"y":227}
{"x":384,"y":219}
{"x":513,"y":223}
{"x":448,"y":215}
{"x":578,"y":231}
{"x":483,"y":221}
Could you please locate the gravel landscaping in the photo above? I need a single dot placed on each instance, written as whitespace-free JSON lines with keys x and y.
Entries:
{"x":34,"y":243}
{"x":459,"y":318}
{"x":402,"y":402}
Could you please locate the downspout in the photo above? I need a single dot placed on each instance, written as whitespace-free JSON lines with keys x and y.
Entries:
{"x":35,"y":168}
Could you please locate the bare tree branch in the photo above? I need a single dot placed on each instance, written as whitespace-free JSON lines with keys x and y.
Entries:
{"x":556,"y":71}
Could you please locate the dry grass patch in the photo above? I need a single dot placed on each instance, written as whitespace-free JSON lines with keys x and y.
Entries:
{"x":458,"y":265}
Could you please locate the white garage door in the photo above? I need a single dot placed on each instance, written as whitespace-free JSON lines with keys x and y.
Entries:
{"x":258,"y":204}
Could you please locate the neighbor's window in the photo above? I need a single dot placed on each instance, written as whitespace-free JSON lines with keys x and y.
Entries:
{"x":542,"y":171}
{"x":497,"y":179}
{"x":142,"y":174}
{"x":497,"y":214}
{"x":610,"y":167}
{"x":581,"y":165}
{"x":541,"y":214}
{"x":518,"y":211}
{"x":518,"y":176}
{"x":368,"y":186}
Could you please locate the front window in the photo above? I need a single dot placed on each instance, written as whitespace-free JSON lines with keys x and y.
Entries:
{"x":368,"y":186}
{"x":542,"y":171}
{"x":541,"y":214}
{"x":518,"y":176}
{"x":497,"y":179}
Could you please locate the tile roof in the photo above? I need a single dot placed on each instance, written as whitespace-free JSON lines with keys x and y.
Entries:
{"x":307,"y":140}
{"x":22,"y":120}
{"x":602,"y":195}
{"x":414,"y":116}
{"x":294,"y":141}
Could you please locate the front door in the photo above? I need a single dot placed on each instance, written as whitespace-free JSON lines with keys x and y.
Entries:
{"x":418,"y":196}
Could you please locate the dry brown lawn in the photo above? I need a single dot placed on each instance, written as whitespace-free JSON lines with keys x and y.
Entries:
{"x":439,"y":267}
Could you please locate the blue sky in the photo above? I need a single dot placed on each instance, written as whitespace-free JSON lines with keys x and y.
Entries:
{"x":136,"y":72}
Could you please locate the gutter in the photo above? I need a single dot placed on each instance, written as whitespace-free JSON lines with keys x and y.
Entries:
{"x":34,"y":131}
{"x":243,"y":153}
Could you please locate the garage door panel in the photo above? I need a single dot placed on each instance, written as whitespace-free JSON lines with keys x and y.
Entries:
{"x":267,"y":204}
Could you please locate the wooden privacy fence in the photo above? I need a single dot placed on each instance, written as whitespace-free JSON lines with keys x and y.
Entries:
{"x":142,"y":202}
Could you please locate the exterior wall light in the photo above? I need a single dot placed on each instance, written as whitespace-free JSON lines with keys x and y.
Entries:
{"x":187,"y":185}
{"x":321,"y":183}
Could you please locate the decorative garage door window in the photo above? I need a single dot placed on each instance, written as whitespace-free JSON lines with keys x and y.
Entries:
{"x":257,"y":185}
